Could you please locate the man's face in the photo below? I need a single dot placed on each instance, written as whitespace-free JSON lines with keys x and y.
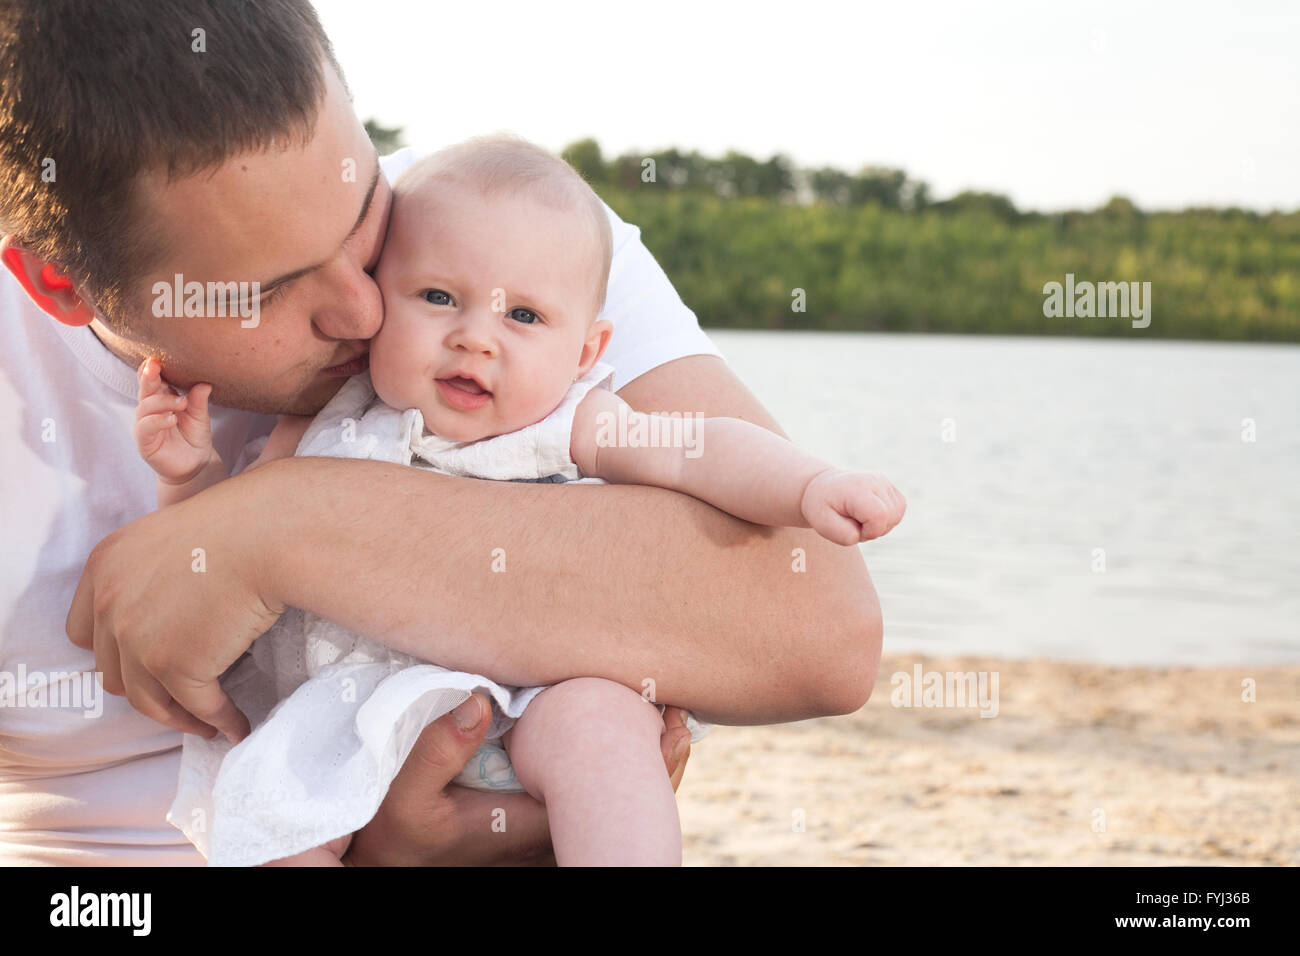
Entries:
{"x":488,"y":302}
{"x":307,"y":223}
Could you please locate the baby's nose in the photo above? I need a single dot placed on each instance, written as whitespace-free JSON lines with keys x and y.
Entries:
{"x":476,"y":333}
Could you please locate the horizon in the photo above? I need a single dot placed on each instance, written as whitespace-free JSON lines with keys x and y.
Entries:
{"x":936,"y":199}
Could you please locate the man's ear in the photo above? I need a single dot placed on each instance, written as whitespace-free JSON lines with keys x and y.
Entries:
{"x":48,"y":288}
{"x":594,"y":347}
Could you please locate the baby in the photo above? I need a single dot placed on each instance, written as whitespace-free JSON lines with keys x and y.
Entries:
{"x":487,"y":364}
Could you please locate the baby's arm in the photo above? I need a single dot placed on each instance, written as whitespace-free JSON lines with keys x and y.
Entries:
{"x":740,"y":468}
{"x":174,"y":436}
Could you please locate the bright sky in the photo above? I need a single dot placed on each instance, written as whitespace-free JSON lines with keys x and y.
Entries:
{"x":1056,"y":104}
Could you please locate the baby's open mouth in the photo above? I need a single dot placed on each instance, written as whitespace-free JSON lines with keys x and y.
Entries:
{"x":463,"y":393}
{"x":466,"y":385}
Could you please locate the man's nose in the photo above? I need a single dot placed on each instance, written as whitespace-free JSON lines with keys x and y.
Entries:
{"x":350,"y":306}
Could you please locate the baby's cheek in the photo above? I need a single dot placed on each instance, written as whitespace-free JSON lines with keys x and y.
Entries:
{"x":539,"y":399}
{"x":379,"y":375}
{"x":387,"y":368}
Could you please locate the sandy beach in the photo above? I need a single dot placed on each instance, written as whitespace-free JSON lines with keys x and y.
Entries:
{"x":1083,"y":764}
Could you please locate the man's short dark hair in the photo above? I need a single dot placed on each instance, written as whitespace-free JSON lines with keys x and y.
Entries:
{"x":93,"y":93}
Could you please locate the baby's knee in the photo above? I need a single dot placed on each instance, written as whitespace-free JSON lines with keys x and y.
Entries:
{"x":583,"y":704}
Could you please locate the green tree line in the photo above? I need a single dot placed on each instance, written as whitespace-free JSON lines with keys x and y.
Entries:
{"x":747,"y":242}
{"x":873,"y":250}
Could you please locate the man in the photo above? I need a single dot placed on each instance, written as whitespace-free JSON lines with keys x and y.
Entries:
{"x":146,"y":146}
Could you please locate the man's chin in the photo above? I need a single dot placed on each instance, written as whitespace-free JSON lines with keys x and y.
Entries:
{"x":307,"y":401}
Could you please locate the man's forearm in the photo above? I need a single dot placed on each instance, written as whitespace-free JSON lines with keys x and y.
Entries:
{"x":532,"y":584}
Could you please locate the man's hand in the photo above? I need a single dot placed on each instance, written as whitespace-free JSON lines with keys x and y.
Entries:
{"x":425,"y":821}
{"x":171,"y":600}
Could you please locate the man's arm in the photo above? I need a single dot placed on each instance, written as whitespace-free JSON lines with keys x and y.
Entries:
{"x":629,"y":583}
{"x":624,"y":582}
{"x":824,"y":623}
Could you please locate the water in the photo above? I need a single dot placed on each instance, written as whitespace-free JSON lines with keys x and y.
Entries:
{"x":1061,"y":447}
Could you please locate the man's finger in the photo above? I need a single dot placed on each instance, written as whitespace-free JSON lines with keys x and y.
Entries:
{"x":210,"y":704}
{"x":80,"y":624}
{"x":108,"y":662}
{"x":422,"y":819}
{"x":674,"y":718}
{"x":150,"y":698}
{"x":443,"y":748}
{"x":675,"y":744}
{"x":187,"y":723}
{"x":684,"y":748}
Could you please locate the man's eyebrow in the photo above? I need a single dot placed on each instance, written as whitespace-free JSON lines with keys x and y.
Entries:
{"x":267,"y":287}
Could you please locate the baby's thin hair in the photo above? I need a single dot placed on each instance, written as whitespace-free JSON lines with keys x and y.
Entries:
{"x":506,"y":163}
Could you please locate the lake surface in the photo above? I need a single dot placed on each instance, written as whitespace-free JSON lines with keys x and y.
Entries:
{"x":1059,"y":447}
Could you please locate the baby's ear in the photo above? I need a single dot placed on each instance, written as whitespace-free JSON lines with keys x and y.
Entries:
{"x":597,"y":338}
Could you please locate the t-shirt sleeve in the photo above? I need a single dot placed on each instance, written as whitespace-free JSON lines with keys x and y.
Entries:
{"x":651,"y":323}
{"x":248,"y":454}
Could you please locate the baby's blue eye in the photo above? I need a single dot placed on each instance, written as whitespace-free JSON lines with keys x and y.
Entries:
{"x":437,"y":297}
{"x":526,"y":316}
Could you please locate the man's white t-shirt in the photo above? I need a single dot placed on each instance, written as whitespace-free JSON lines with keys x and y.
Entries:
{"x":88,"y":780}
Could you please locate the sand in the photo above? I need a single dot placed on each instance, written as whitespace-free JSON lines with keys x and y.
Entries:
{"x":1083,"y":764}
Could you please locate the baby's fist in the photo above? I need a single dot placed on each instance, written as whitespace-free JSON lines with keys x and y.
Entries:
{"x":848,"y":507}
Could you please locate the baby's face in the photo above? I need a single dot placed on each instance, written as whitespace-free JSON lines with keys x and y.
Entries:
{"x":488,"y":308}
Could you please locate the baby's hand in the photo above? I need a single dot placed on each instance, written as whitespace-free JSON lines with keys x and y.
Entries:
{"x":172,"y":431}
{"x":847,"y":506}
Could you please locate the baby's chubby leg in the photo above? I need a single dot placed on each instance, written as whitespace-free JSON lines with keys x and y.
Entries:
{"x":588,"y":748}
